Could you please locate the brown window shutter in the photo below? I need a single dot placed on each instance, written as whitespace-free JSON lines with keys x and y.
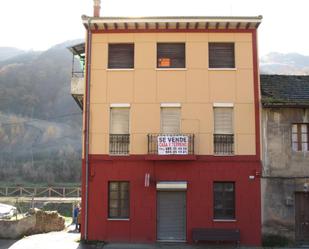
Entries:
{"x":120,"y":56}
{"x":221,"y":55}
{"x":307,"y":137}
{"x":299,"y":147}
{"x":171,"y":55}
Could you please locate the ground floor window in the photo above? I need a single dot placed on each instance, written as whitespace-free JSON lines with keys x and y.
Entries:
{"x":118,"y":199}
{"x":224,"y":200}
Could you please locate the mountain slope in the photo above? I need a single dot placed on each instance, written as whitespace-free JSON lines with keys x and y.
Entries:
{"x":40,"y":134}
{"x":278,"y":63}
{"x":8,"y":52}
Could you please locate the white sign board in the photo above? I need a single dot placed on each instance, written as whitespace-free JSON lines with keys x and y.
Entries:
{"x":173,"y":145}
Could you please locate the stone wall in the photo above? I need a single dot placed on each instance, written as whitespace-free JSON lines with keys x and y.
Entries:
{"x":39,"y":222}
{"x":284,"y":170}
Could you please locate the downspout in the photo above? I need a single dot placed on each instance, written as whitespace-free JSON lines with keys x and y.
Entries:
{"x":87,"y":121}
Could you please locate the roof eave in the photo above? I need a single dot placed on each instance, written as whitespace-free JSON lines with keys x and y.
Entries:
{"x":245,"y":21}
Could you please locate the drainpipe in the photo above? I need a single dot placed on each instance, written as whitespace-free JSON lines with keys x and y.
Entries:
{"x":87,"y":121}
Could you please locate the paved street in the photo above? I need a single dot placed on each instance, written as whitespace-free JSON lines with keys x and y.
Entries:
{"x":4,"y":243}
{"x":70,"y":240}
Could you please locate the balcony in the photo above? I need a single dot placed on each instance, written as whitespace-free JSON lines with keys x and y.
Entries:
{"x":77,"y":88}
{"x":77,"y":80}
{"x":171,"y":146}
{"x":119,"y":144}
{"x":224,"y":144}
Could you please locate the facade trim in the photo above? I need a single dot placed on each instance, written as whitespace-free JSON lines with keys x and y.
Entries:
{"x":120,"y":105}
{"x":217,"y":104}
{"x":170,"y":104}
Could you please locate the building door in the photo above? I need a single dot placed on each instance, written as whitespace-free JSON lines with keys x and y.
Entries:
{"x":302,"y":217}
{"x":171,"y":215}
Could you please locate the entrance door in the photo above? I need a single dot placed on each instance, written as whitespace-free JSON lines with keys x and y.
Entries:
{"x":171,"y":215}
{"x":302,"y":217}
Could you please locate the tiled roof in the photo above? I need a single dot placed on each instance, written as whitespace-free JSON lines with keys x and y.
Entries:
{"x":285,"y":91}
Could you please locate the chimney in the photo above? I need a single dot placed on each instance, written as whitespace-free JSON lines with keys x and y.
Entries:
{"x":96,"y":8}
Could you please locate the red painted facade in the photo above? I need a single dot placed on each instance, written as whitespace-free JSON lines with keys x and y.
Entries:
{"x":199,"y":174}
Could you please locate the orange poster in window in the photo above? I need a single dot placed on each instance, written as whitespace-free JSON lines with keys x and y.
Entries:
{"x":164,"y":62}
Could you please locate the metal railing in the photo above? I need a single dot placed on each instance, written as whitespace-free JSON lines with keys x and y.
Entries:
{"x":61,"y":192}
{"x":119,"y":144}
{"x":153,"y":142}
{"x":224,"y":144}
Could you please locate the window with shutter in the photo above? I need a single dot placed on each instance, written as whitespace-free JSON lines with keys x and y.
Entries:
{"x":221,"y":55}
{"x":119,"y":138}
{"x":120,"y":56}
{"x":223,"y":131}
{"x":171,"y":55}
{"x":300,"y":137}
{"x":223,"y":120}
{"x":170,"y":120}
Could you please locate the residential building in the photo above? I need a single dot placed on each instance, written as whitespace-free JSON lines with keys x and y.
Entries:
{"x":171,"y":128}
{"x":285,"y":133}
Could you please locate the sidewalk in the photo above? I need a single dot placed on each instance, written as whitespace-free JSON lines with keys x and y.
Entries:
{"x":70,"y":240}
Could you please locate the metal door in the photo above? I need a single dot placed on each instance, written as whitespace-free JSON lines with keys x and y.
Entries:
{"x":302,"y":217}
{"x":171,"y":216}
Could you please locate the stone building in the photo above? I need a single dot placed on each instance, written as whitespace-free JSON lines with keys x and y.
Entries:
{"x":285,"y":139}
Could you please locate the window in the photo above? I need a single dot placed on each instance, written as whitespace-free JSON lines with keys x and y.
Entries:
{"x":171,"y":55}
{"x":221,"y":55}
{"x":223,"y":131}
{"x":224,"y":200}
{"x":170,"y":120}
{"x":118,"y":200}
{"x":300,"y":137}
{"x":119,"y":138}
{"x":120,"y":56}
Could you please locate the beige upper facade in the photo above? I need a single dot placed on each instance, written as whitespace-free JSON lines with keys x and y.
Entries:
{"x":195,"y":88}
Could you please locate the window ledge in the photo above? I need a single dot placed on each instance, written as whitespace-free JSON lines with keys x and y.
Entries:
{"x":224,"y":220}
{"x":222,"y":69}
{"x":120,"y":69}
{"x":118,"y":219}
{"x":171,"y":69}
{"x":222,"y":155}
{"x":120,"y":155}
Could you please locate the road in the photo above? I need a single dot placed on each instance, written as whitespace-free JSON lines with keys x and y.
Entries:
{"x":5,"y":243}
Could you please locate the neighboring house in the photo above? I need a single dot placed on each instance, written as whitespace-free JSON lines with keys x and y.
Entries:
{"x":171,"y":128}
{"x":285,"y":135}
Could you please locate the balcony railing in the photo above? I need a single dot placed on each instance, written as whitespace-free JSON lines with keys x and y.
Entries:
{"x":119,"y":144}
{"x":224,"y":144}
{"x":170,"y":144}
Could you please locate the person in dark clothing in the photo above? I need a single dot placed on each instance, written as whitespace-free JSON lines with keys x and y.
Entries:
{"x":75,"y":216}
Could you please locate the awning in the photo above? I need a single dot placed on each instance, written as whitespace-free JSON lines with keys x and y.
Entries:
{"x":172,"y":185}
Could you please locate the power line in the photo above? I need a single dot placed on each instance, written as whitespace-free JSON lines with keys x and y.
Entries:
{"x":35,"y":119}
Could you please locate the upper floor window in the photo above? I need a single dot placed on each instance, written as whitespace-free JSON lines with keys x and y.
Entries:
{"x":120,"y":56}
{"x":300,"y":137}
{"x":171,"y":55}
{"x":118,"y":200}
{"x":224,"y":200}
{"x":170,"y":120}
{"x":223,"y":131}
{"x":119,"y":138}
{"x":221,"y":55}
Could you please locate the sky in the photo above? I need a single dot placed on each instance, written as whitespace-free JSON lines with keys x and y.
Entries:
{"x":40,"y":24}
